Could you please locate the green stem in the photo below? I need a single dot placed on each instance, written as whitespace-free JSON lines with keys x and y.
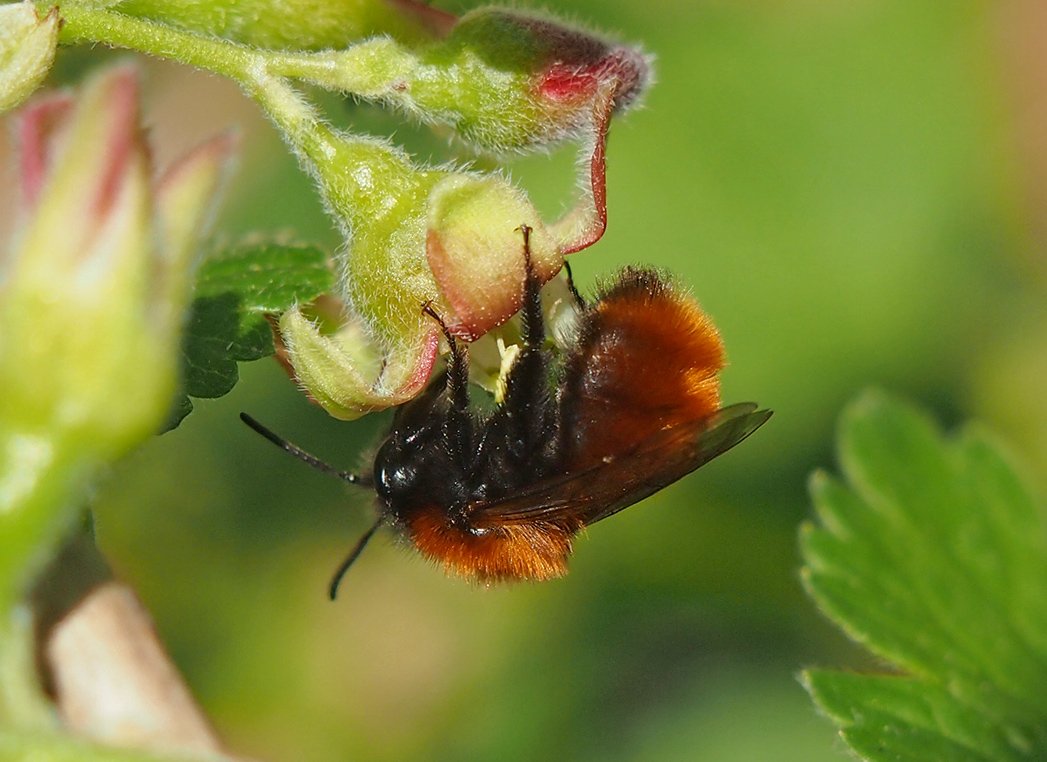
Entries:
{"x":368,"y":69}
{"x":364,"y":69}
{"x":91,"y":25}
{"x":364,"y":179}
{"x":22,"y":701}
{"x":38,"y":479}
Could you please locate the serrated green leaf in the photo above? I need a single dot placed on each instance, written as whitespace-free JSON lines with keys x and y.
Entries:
{"x":235,"y":291}
{"x":221,"y":332}
{"x":933,"y":554}
{"x":902,"y":718}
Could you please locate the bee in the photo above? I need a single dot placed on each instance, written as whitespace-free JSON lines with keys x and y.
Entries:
{"x":629,"y":406}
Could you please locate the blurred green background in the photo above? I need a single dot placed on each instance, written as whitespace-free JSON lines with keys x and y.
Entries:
{"x":853,"y":191}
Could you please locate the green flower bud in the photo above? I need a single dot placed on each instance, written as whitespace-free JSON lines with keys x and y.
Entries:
{"x":509,"y":81}
{"x":452,"y":240}
{"x":92,"y":292}
{"x":503,"y":80}
{"x":475,"y":250}
{"x":98,"y":277}
{"x":27,"y":50}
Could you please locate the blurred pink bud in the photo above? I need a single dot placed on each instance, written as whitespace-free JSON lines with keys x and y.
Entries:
{"x":98,"y":276}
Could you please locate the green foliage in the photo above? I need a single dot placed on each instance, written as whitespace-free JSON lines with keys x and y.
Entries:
{"x":933,"y":555}
{"x":235,"y":291}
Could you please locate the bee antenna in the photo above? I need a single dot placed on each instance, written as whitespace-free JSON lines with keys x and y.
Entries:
{"x":304,"y":456}
{"x":343,"y":567}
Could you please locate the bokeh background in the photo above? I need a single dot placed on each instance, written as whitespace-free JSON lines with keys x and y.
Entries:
{"x":855,"y":191}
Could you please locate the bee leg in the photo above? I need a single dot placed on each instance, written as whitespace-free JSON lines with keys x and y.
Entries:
{"x":533,"y":322}
{"x":526,"y":415}
{"x":571,"y":287}
{"x":458,"y":424}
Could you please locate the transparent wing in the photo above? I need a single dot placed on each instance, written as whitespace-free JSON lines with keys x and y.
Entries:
{"x":585,"y":497}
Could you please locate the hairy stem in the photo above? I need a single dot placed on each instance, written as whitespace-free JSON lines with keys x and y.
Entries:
{"x":362,"y":69}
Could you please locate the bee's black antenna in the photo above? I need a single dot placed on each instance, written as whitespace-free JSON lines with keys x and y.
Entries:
{"x":304,"y":456}
{"x":343,"y":567}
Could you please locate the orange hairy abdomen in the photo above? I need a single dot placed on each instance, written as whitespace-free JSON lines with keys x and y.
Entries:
{"x":532,"y":551}
{"x":647,"y":358}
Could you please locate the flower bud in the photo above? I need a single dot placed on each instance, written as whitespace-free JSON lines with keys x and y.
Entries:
{"x":474,"y":247}
{"x":458,"y":246}
{"x":27,"y":50}
{"x":511,"y":81}
{"x":414,"y":236}
{"x":98,"y":277}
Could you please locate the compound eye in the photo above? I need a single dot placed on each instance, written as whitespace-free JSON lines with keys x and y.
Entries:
{"x":394,"y":475}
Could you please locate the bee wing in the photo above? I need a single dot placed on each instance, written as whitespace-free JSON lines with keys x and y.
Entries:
{"x":586,"y":496}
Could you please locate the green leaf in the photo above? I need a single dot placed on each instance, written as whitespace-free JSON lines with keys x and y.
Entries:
{"x":932,"y":553}
{"x":221,"y":331}
{"x":268,"y":277}
{"x":901,"y":718}
{"x":235,"y":291}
